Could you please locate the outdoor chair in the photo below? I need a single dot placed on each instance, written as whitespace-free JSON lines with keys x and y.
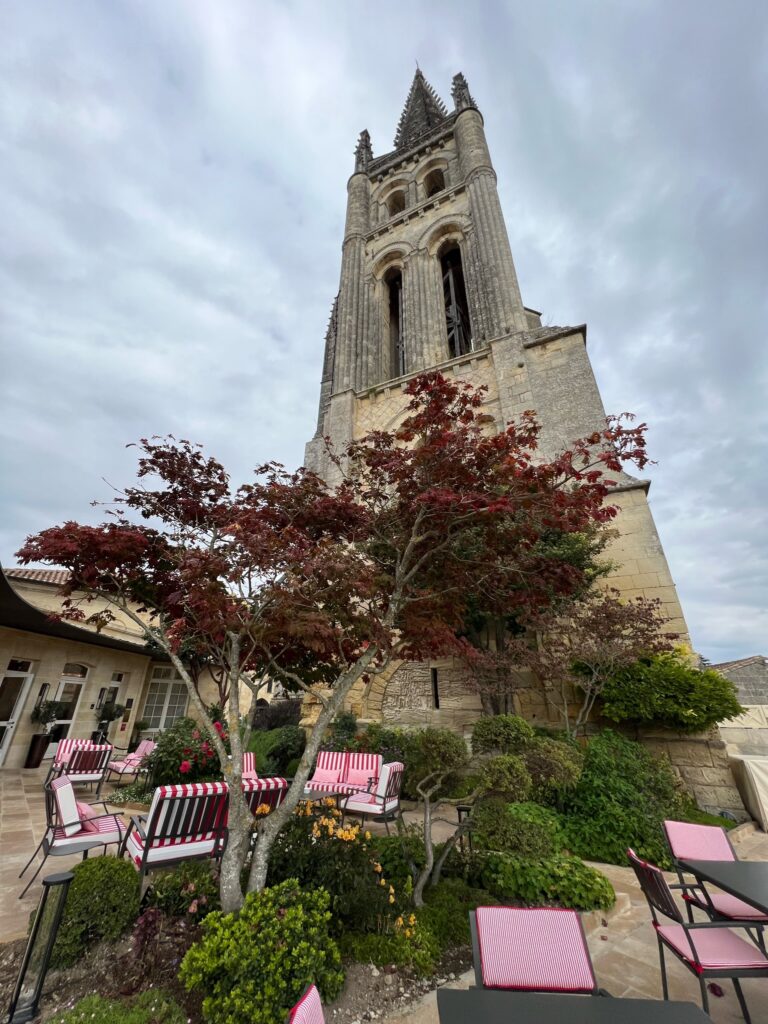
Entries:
{"x":261,"y":793}
{"x":309,"y":1009}
{"x":64,"y":750}
{"x":537,"y":949}
{"x":131,"y":764}
{"x":710,"y":949}
{"x":709,"y":842}
{"x":184,"y":822}
{"x":69,"y":823}
{"x":249,"y":766}
{"x":85,"y":764}
{"x":383,"y":800}
{"x":363,"y":771}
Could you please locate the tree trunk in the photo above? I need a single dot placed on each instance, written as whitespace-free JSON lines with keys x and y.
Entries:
{"x":268,"y":833}
{"x":462,"y":829}
{"x":418,"y":892}
{"x":240,"y":825}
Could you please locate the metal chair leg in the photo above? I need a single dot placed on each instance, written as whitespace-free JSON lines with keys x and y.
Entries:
{"x":38,"y":848}
{"x":742,"y":1000}
{"x":662,"y":963}
{"x":39,"y":869}
{"x":704,"y":996}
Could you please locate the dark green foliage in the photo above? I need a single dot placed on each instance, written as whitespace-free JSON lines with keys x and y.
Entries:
{"x":184,"y":753}
{"x":437,"y":756}
{"x":507,"y":776}
{"x":463,"y":786}
{"x":276,"y":749}
{"x":313,"y":849}
{"x":562,"y":879}
{"x":392,"y":744}
{"x":501,"y":734}
{"x":665,"y":689}
{"x":446,"y":911}
{"x":151,"y":1007}
{"x":555,"y":768}
{"x":523,"y":830}
{"x":623,"y":796}
{"x":102,"y":903}
{"x":419,"y":951}
{"x":252,"y":967}
{"x":695,"y":815}
{"x":190,"y":890}
{"x":342,"y":733}
{"x":396,"y":854}
{"x":278,"y":713}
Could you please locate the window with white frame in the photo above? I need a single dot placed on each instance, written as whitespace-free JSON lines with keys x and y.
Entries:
{"x":166,"y":698}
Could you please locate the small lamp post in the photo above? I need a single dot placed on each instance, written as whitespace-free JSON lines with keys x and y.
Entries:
{"x":37,"y":955}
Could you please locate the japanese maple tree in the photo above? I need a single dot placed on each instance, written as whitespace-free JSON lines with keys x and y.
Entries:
{"x":287,"y":577}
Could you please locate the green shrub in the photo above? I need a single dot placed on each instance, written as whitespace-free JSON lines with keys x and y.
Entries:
{"x":190,"y":890}
{"x":694,"y":814}
{"x":252,"y":967}
{"x":151,"y":1007}
{"x":396,"y":854}
{"x":665,"y":689}
{"x":507,"y":776}
{"x":415,"y":947}
{"x":184,"y":753}
{"x":464,"y":786}
{"x":341,"y":733}
{"x":562,"y":879}
{"x":102,"y":903}
{"x":313,"y":849}
{"x":435,"y":752}
{"x":277,"y":748}
{"x":446,"y":911}
{"x":136,"y":792}
{"x":501,"y":734}
{"x":555,"y":768}
{"x":524,"y":830}
{"x":623,"y":796}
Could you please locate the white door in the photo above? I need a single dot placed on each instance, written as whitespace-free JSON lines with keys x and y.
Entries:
{"x":14,"y":687}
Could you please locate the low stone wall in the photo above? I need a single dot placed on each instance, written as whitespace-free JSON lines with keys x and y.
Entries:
{"x":702,"y":763}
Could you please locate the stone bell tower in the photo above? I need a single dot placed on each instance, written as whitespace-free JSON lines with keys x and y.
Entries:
{"x":428,"y":282}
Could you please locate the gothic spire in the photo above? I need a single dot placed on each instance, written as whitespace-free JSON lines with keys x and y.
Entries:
{"x":423,"y":110}
{"x":363,"y":151}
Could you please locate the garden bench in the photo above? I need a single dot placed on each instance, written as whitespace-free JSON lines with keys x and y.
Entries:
{"x":382,"y":799}
{"x":184,"y":822}
{"x":131,"y":764}
{"x":340,"y":773}
{"x":72,"y":826}
{"x":532,"y":949}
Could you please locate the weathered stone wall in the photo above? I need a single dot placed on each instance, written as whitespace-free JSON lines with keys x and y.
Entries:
{"x":703,"y":765}
{"x":750,"y":676}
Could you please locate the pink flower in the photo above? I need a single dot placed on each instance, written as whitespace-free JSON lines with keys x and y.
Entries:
{"x":185,"y":767}
{"x":192,"y":907}
{"x":196,"y":734}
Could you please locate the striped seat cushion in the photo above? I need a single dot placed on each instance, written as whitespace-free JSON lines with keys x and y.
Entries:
{"x":538,"y":949}
{"x":325,"y":787}
{"x":127,"y":767}
{"x":717,"y":948}
{"x":309,"y":1009}
{"x":264,"y":792}
{"x":370,"y":804}
{"x":698,"y":842}
{"x":249,"y":766}
{"x":729,"y":906}
{"x":165,"y":850}
{"x":64,"y":749}
{"x":107,"y":830}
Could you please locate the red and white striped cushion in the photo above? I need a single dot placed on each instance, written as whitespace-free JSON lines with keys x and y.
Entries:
{"x":309,"y":1009}
{"x":249,"y":766}
{"x":270,"y":791}
{"x":717,"y":948}
{"x":169,"y":849}
{"x":164,"y":806}
{"x":698,"y":842}
{"x":538,"y":949}
{"x":66,"y":805}
{"x":129,"y":766}
{"x":144,"y":749}
{"x":362,"y":768}
{"x":65,"y":747}
{"x":106,"y":833}
{"x":104,"y":825}
{"x":333,"y":760}
{"x":88,"y":764}
{"x":732,"y":906}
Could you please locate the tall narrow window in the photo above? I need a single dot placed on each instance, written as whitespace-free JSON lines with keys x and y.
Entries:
{"x":396,"y":203}
{"x":394,"y":283}
{"x":456,"y":307}
{"x":434,"y":182}
{"x":435,"y":689}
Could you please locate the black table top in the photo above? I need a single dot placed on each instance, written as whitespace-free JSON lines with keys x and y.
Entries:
{"x":747,"y":879}
{"x":490,"y":1006}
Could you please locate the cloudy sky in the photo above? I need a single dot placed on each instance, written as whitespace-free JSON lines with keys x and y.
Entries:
{"x":172,"y":193}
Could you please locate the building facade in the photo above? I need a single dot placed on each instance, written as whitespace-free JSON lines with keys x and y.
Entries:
{"x":428,"y":282}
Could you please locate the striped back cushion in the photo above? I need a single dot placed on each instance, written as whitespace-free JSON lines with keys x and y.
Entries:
{"x":249,"y":766}
{"x":65,"y":747}
{"x":333,"y":761}
{"x":538,"y":949}
{"x":89,"y":760}
{"x":390,"y":780}
{"x":187,"y":813}
{"x":144,"y":749}
{"x":362,"y":767}
{"x":261,"y":792}
{"x":698,"y":842}
{"x":66,"y":805}
{"x":309,"y":1009}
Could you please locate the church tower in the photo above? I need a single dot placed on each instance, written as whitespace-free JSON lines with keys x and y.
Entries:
{"x":428,"y":282}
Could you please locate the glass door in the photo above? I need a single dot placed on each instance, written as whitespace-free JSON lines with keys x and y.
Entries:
{"x":68,"y":695}
{"x":14,"y":686}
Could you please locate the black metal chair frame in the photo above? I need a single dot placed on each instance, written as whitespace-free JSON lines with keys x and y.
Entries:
{"x":73,"y":766}
{"x":658,"y":893}
{"x":378,"y":811}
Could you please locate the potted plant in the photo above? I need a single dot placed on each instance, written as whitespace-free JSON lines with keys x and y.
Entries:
{"x":45,"y":714}
{"x":107,"y":714}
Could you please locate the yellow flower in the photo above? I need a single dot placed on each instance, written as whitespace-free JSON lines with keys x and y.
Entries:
{"x":391,"y":890}
{"x":399,"y":922}
{"x":377,"y":868}
{"x":412,"y":919}
{"x":391,"y":899}
{"x":382,"y":881}
{"x":407,"y":933}
{"x":367,"y":837}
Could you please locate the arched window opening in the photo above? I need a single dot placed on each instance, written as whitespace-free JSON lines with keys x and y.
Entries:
{"x":434,"y":182}
{"x":396,"y":203}
{"x":394,"y":283}
{"x":456,"y":306}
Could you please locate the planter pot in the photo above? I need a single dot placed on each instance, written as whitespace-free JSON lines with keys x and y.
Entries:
{"x":37,"y":750}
